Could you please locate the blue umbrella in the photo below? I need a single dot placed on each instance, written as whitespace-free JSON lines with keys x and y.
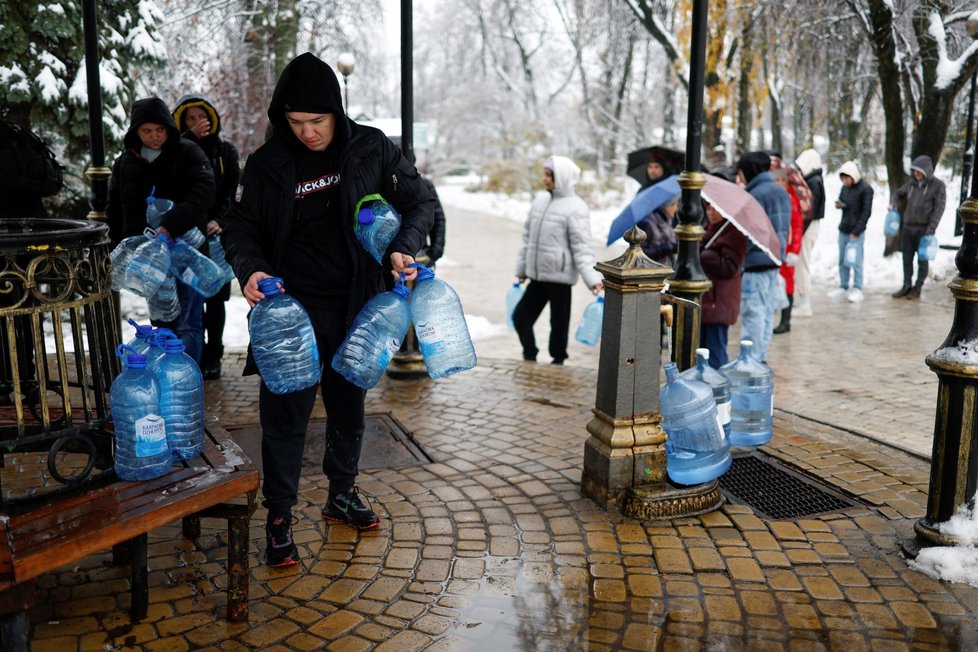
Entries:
{"x":644,"y":203}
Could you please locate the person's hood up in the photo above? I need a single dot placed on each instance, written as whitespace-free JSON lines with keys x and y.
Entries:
{"x":307,"y":85}
{"x":924,"y":165}
{"x":808,"y":161}
{"x":188,"y":101}
{"x":150,"y":109}
{"x":849,"y":169}
{"x":752,"y":164}
{"x":566,"y":174}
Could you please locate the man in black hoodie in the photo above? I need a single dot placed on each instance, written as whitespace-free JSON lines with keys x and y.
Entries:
{"x":157,"y":161}
{"x":293,"y":218}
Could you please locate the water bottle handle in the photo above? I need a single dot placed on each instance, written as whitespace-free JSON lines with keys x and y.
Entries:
{"x":122,"y":350}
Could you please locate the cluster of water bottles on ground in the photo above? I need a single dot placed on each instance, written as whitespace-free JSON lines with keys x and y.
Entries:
{"x":158,"y":403}
{"x":704,"y":411}
{"x":149,"y":265}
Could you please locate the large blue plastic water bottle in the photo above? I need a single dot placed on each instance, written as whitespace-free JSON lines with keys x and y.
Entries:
{"x":193,"y":237}
{"x":157,"y":345}
{"x":194,"y":268}
{"x":696,"y":449}
{"x":216,"y":251}
{"x":704,"y":373}
{"x":927,"y":250}
{"x":374,"y":338}
{"x":165,"y":304}
{"x":148,"y":267}
{"x":439,"y":323}
{"x":513,"y":296}
{"x":141,"y":452}
{"x":181,"y":400}
{"x":120,"y":257}
{"x":283,"y":341}
{"x":377,"y":224}
{"x":589,"y":330}
{"x":891,"y":223}
{"x":156,"y":208}
{"x":751,"y":398}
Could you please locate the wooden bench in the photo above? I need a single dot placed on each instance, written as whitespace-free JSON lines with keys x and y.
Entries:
{"x":221,"y":483}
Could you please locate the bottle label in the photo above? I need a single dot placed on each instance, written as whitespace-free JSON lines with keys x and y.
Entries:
{"x":188,"y":277}
{"x":393,"y":345}
{"x":772,"y":404}
{"x":723,"y":413}
{"x":430,"y":340}
{"x":150,"y":436}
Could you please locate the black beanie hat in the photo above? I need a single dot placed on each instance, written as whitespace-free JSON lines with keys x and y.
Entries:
{"x":752,"y":164}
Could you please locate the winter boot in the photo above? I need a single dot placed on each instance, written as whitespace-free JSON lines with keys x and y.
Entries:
{"x":212,"y":361}
{"x":785,"y":324}
{"x":902,"y":292}
{"x":914,"y":293}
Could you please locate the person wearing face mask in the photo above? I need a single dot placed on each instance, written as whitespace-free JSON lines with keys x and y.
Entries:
{"x":200,"y":123}
{"x":157,"y":161}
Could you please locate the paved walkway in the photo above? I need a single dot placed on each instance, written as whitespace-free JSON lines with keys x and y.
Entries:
{"x":491,"y":547}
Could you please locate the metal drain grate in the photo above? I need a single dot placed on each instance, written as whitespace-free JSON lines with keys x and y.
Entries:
{"x":776,"y":492}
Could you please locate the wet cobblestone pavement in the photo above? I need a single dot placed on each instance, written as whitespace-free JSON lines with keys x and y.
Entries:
{"x":491,"y":546}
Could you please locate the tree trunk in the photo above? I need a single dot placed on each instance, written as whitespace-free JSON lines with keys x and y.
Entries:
{"x":744,"y":105}
{"x":284,"y":34}
{"x":890,"y":92}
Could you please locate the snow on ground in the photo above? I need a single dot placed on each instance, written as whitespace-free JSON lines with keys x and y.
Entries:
{"x":957,"y":563}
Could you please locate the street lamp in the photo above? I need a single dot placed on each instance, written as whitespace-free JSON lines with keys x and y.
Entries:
{"x":969,"y":145}
{"x":345,"y":64}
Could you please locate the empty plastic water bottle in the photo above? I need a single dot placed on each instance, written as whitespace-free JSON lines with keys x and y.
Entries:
{"x":374,"y":338}
{"x":156,"y":208}
{"x":704,"y":373}
{"x":181,"y":400}
{"x":377,"y":224}
{"x":193,"y":237}
{"x":283,"y":341}
{"x":891,"y":223}
{"x":194,"y":268}
{"x":439,"y":323}
{"x":120,"y":257}
{"x":216,"y":251}
{"x":751,"y":398}
{"x":141,"y":451}
{"x":148,"y":267}
{"x":927,"y":250}
{"x":513,"y":296}
{"x":696,"y":449}
{"x":851,"y":254}
{"x":165,"y":304}
{"x":589,"y":330}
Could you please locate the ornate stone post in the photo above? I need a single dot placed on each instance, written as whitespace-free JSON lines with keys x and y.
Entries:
{"x":954,"y":462}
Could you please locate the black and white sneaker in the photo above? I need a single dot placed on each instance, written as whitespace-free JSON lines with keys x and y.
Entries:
{"x":347,"y":508}
{"x":280,"y":550}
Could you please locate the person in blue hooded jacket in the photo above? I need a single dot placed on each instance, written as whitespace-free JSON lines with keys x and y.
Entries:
{"x":759,"y":295}
{"x":293,"y":217}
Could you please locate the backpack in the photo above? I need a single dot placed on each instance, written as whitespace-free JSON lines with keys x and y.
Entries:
{"x":28,"y":164}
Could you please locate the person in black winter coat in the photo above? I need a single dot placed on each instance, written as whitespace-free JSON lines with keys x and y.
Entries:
{"x":293,"y":218}
{"x":856,"y":202}
{"x":28,"y":172}
{"x":435,"y":246}
{"x":200,"y":123}
{"x":923,"y":198}
{"x":157,"y":161}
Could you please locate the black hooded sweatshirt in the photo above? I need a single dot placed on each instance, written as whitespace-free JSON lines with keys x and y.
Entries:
{"x":181,"y":173}
{"x":273,"y":204}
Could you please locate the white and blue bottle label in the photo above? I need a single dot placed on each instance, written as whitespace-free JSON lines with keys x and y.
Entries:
{"x":150,"y":436}
{"x":392,"y":347}
{"x":430,"y":341}
{"x":723,"y":414}
{"x":189,"y":277}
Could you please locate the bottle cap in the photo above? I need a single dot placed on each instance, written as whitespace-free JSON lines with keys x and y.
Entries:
{"x":365,"y":216}
{"x":424,"y":273}
{"x":600,"y":299}
{"x":269,"y":286}
{"x":703,"y":352}
{"x":174,"y":345}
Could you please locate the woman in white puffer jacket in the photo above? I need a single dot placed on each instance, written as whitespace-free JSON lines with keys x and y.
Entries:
{"x":557,"y":247}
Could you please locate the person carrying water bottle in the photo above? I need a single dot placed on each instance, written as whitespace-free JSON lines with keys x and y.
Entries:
{"x":293,"y":217}
{"x":856,"y":201}
{"x":157,"y":158}
{"x":924,"y":197}
{"x":201,"y":123}
{"x":557,"y":246}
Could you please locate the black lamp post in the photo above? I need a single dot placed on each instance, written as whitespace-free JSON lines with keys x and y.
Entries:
{"x":407,"y":80}
{"x":969,"y":143}
{"x":98,"y":173}
{"x":345,"y":64}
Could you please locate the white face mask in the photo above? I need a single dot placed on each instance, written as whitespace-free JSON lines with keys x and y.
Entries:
{"x":149,"y":154}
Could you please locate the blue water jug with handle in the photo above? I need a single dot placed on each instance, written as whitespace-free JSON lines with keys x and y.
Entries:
{"x":374,"y":338}
{"x":141,"y":451}
{"x":589,"y":330}
{"x":156,"y":208}
{"x":513,"y":296}
{"x":927,"y":250}
{"x":891,"y":223}
{"x":194,"y":268}
{"x":283,"y":341}
{"x":216,"y":251}
{"x":148,"y":267}
{"x":696,"y":449}
{"x":377,"y":223}
{"x":181,"y":400}
{"x":120,"y":257}
{"x":720,"y":384}
{"x":751,"y":398}
{"x":439,"y":323}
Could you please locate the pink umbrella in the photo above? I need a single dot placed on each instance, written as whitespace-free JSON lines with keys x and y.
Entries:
{"x":745,"y":213}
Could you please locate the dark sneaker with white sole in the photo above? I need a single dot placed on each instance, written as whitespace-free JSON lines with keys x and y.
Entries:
{"x":280,"y":550}
{"x":347,"y":508}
